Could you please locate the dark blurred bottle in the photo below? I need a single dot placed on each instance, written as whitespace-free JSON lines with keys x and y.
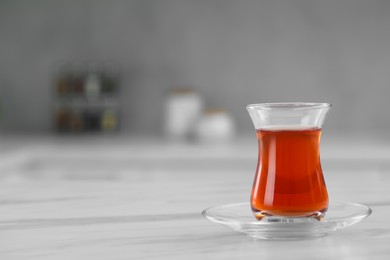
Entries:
{"x":91,"y":118}
{"x":110,"y":78}
{"x":63,"y":77}
{"x":63,"y":116}
{"x":62,"y":86}
{"x":78,"y":78}
{"x":76,"y":121}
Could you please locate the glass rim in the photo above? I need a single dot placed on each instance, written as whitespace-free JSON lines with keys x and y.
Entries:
{"x":288,"y":105}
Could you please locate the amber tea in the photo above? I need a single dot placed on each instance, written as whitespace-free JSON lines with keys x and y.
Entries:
{"x":289,"y":180}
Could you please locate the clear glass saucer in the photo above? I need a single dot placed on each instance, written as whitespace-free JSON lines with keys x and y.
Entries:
{"x":239,"y":217}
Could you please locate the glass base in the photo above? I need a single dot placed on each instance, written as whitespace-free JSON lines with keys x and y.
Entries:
{"x":298,"y":217}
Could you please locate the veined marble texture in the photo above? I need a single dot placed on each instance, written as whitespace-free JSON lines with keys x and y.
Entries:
{"x":149,"y":209}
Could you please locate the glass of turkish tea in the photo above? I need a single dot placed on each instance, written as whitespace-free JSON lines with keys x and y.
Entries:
{"x":289,"y":184}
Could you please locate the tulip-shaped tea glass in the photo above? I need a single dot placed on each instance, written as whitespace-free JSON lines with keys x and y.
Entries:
{"x":289,"y":185}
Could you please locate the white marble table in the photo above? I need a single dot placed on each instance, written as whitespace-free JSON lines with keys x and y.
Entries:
{"x":123,"y":200}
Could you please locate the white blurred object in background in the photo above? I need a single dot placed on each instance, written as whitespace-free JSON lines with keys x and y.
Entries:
{"x":215,"y":125}
{"x":92,"y":86}
{"x":182,"y":109}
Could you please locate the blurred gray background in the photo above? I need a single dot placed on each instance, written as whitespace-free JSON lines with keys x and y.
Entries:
{"x":232,"y":52}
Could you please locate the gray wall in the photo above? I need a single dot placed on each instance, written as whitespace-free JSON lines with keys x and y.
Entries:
{"x":232,"y":52}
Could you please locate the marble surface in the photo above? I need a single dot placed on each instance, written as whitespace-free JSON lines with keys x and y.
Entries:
{"x":129,"y":199}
